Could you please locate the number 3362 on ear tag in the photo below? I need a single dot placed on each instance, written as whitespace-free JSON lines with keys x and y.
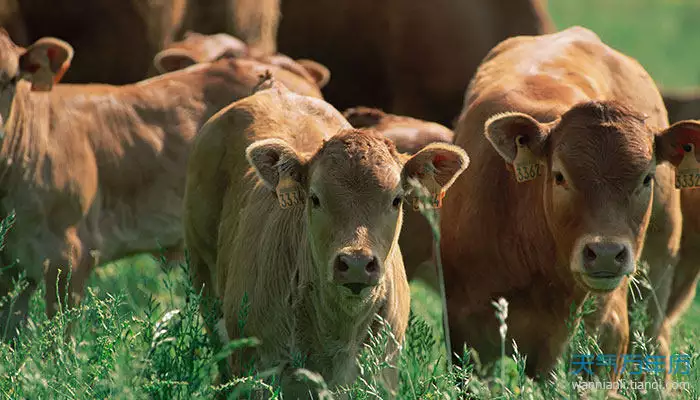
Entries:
{"x":289,"y":193}
{"x":688,"y":171}
{"x":526,"y":165}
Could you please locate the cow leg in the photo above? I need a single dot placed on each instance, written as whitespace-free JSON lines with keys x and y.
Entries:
{"x":685,"y":279}
{"x":72,"y":261}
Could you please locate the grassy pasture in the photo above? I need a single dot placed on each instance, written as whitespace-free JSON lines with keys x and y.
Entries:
{"x":138,"y":334}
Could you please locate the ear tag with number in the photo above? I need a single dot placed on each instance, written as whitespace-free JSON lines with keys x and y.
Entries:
{"x":433,"y":187}
{"x":688,"y":171}
{"x":289,"y":191}
{"x":526,"y":165}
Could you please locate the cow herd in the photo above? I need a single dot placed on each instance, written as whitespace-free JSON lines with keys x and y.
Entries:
{"x":290,"y":181}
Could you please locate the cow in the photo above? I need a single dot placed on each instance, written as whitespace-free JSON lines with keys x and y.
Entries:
{"x":584,"y":135}
{"x":196,"y":48}
{"x":409,"y":135}
{"x":410,"y":57}
{"x":100,"y":168}
{"x":292,"y":209}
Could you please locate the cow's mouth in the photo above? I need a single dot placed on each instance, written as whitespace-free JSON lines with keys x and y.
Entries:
{"x":356,"y":288}
{"x":601,"y":282}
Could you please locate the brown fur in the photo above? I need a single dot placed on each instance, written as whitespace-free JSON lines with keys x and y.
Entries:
{"x":99,"y":167}
{"x":409,"y":135}
{"x":241,"y":241}
{"x":595,"y":115}
{"x":115,"y":41}
{"x":254,"y":21}
{"x":197,"y":48}
{"x":409,"y":57}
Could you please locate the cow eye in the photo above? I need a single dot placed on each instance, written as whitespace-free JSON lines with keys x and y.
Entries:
{"x":397,"y":201}
{"x":315,"y":201}
{"x":648,"y":179}
{"x":559,"y":178}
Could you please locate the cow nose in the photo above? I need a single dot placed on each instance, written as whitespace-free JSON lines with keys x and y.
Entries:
{"x":606,"y":259}
{"x":356,"y":270}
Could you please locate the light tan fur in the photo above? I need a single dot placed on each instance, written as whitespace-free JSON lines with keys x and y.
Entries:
{"x":242,"y":242}
{"x":100,"y":167}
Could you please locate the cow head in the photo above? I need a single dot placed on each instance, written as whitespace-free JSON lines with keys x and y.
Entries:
{"x":596,"y":165}
{"x":43,"y":64}
{"x":352,"y":191}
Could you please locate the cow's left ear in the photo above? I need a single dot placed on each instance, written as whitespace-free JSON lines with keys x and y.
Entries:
{"x":280,"y":168}
{"x":679,"y":145}
{"x":45,"y":62}
{"x":173,"y":59}
{"x":318,"y":71}
{"x":436,"y":167}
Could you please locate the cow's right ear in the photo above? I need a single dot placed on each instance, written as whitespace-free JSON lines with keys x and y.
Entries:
{"x":45,"y":62}
{"x":280,"y":168}
{"x":520,"y":140}
{"x":170,"y":60}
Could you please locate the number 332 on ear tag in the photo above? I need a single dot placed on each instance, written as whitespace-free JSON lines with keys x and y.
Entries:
{"x":688,"y":171}
{"x":289,"y":193}
{"x":526,"y":165}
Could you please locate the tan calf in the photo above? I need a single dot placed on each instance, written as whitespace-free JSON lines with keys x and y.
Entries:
{"x":305,"y":222}
{"x":409,"y":135}
{"x":584,"y":136}
{"x":99,"y":167}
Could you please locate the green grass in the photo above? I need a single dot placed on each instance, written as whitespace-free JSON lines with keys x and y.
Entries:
{"x":663,"y":35}
{"x":138,"y":333}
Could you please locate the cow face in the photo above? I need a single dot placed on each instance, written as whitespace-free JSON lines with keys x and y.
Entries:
{"x":43,"y":63}
{"x":352,"y":191}
{"x":596,"y":165}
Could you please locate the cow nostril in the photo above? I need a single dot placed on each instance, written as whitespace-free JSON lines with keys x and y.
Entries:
{"x":371,"y":266}
{"x":621,"y":257}
{"x":588,"y":254}
{"x":340,"y":265}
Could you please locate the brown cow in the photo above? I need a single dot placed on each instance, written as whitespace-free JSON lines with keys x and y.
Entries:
{"x":585,"y":130}
{"x":305,"y":222}
{"x":99,"y":167}
{"x":197,"y":48}
{"x":409,"y":57}
{"x":409,"y":135}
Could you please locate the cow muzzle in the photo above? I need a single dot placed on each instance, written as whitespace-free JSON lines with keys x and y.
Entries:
{"x":602,"y":262}
{"x":356,"y":270}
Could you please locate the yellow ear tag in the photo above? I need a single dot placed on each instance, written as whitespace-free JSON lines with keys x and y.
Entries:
{"x":526,"y":165}
{"x":289,"y":191}
{"x":433,"y":187}
{"x":688,"y":171}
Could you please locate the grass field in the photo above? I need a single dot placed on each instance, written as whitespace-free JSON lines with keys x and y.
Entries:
{"x":138,"y":334}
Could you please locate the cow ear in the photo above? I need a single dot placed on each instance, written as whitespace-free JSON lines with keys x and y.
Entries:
{"x":45,"y":61}
{"x":435,"y":167}
{"x":280,"y":169}
{"x":364,"y":117}
{"x":678,"y":145}
{"x":318,"y":71}
{"x":521,"y":140}
{"x":170,"y":60}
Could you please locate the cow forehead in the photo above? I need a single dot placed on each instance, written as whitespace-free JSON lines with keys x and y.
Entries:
{"x":357,"y":160}
{"x":594,"y":150}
